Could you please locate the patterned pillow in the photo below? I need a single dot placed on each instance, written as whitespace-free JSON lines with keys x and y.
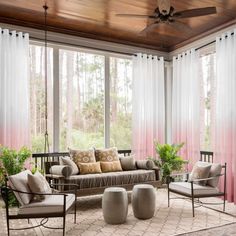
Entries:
{"x":82,"y":156}
{"x":106,"y":155}
{"x":90,"y":168}
{"x":111,"y":166}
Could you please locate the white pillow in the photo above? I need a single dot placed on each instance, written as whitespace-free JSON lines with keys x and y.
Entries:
{"x":67,"y":161}
{"x":20,"y":182}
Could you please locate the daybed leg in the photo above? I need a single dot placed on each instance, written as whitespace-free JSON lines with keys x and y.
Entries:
{"x":28,"y":221}
{"x":75,"y":211}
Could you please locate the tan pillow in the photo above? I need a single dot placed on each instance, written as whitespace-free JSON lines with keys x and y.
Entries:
{"x":109,"y":154}
{"x":82,"y":156}
{"x":20,"y":182}
{"x":111,"y":166}
{"x":90,"y":168}
{"x":38,"y":184}
{"x":67,"y":161}
{"x":201,"y":170}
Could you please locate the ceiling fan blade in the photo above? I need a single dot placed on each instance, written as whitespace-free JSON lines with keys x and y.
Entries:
{"x":135,"y":16}
{"x":195,"y":12}
{"x":149,"y":28}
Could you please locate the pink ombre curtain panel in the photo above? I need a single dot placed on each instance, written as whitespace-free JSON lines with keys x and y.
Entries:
{"x":225,"y":118}
{"x":148,"y":108}
{"x":14,"y":89}
{"x":186,"y":104}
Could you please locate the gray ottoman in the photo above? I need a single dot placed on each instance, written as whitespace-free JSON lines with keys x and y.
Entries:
{"x":143,"y":201}
{"x":115,"y":205}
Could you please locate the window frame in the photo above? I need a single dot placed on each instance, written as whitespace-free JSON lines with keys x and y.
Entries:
{"x":56,"y":88}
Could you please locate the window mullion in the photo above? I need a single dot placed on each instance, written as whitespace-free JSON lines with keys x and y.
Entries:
{"x":107,"y":102}
{"x":56,"y":100}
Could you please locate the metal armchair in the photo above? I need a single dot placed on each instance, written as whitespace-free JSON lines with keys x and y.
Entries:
{"x":54,"y":205}
{"x":193,"y":190}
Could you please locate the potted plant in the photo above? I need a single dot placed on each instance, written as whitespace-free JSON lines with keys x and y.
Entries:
{"x":12,"y":162}
{"x":169,"y":160}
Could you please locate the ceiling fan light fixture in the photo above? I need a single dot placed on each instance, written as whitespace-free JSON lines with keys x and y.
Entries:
{"x":164,"y":6}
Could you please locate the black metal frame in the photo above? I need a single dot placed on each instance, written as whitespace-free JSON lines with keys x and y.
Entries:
{"x":208,"y":157}
{"x":5,"y":190}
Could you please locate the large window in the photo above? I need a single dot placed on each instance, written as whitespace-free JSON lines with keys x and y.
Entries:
{"x":208,"y":72}
{"x":79,"y":84}
{"x":37,"y":97}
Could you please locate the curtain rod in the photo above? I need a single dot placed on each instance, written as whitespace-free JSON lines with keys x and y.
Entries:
{"x":17,"y":34}
{"x":88,"y":47}
{"x":205,"y":45}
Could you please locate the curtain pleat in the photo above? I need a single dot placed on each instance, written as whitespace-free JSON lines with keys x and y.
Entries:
{"x":14,"y":89}
{"x":225,"y":113}
{"x":186,"y":104}
{"x":148,"y":108}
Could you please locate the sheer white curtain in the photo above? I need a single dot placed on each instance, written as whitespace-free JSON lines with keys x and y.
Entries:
{"x":148,"y":123}
{"x":14,"y":89}
{"x":186,"y":104}
{"x":225,"y":120}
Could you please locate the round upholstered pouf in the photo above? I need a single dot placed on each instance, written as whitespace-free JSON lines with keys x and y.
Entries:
{"x":143,"y":201}
{"x":115,"y":205}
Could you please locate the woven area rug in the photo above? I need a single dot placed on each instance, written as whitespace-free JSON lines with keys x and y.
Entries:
{"x":175,"y":220}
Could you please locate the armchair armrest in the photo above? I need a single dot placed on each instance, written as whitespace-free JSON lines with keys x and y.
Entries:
{"x":210,"y":178}
{"x":64,"y":184}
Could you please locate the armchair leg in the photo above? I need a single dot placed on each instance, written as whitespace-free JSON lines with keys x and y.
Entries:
{"x":224,"y":204}
{"x":193,"y":206}
{"x":168,"y":196}
{"x":192,"y":197}
{"x":8,"y":227}
{"x":64,"y":224}
{"x":75,"y":211}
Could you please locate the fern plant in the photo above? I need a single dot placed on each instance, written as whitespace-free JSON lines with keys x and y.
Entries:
{"x":169,"y":160}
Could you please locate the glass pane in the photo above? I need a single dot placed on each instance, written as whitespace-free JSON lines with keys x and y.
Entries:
{"x":81,"y":100}
{"x":121,"y":102}
{"x":37,"y":97}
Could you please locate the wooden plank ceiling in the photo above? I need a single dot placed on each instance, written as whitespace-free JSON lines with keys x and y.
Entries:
{"x":97,"y":19}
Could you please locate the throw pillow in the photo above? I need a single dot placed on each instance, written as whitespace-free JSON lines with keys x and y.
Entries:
{"x":128,"y":163}
{"x":82,"y":156}
{"x":20,"y":182}
{"x":38,"y":184}
{"x":109,"y":154}
{"x":67,"y":161}
{"x":200,"y":170}
{"x":65,"y":171}
{"x":214,"y":171}
{"x":90,"y":168}
{"x":111,"y":166}
{"x":145,"y":164}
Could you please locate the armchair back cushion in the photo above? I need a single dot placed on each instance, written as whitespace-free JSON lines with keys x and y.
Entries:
{"x":20,"y":182}
{"x":38,"y":184}
{"x":200,"y":170}
{"x":214,"y":171}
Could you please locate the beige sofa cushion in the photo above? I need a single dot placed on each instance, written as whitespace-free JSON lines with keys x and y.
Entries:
{"x":51,"y":204}
{"x":67,"y":161}
{"x":128,"y":163}
{"x":38,"y":184}
{"x":20,"y":182}
{"x":108,"y":154}
{"x":111,"y":166}
{"x":90,"y":168}
{"x":185,"y":187}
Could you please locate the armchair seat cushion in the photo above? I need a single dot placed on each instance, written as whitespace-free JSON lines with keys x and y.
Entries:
{"x":185,"y":188}
{"x":51,"y":204}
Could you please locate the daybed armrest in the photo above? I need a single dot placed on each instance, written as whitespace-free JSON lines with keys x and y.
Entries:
{"x":157,"y":172}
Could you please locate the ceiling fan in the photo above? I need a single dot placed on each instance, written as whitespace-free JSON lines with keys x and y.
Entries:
{"x":165,"y":13}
